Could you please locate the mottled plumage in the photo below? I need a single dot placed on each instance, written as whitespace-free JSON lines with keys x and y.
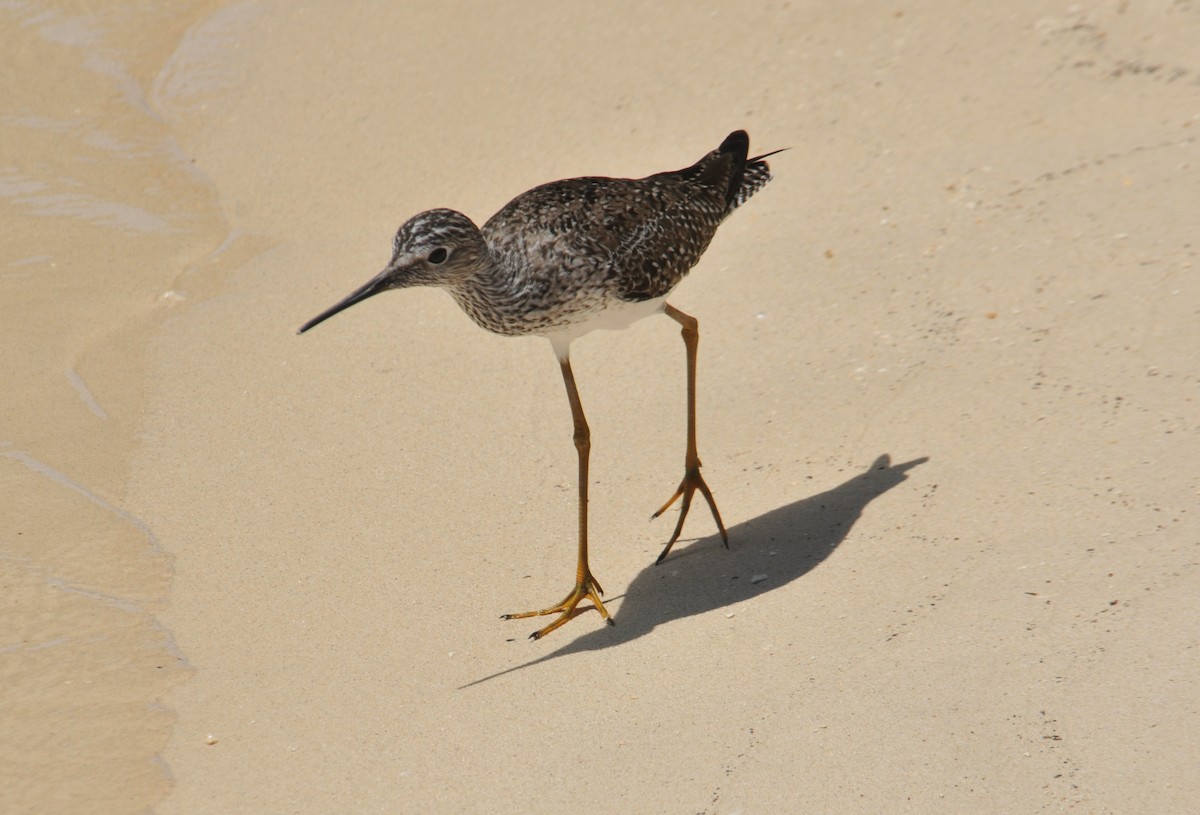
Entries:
{"x":574,"y":255}
{"x":561,"y":253}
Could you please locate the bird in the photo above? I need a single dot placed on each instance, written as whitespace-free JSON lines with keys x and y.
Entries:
{"x":571,"y":256}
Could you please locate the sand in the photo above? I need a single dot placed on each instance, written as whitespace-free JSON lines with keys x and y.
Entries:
{"x":948,"y":406}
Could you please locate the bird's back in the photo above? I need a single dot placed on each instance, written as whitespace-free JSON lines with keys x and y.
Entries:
{"x":569,"y":247}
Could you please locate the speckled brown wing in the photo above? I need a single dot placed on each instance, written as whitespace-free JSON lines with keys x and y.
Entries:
{"x":620,"y":238}
{"x":654,"y":254}
{"x":636,"y":237}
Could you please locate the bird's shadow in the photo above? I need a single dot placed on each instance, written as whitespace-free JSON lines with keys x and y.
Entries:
{"x":767,"y":552}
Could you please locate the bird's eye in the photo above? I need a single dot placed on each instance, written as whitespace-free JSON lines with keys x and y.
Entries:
{"x":438,"y":255}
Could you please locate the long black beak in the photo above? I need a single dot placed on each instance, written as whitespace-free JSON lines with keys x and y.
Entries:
{"x":375,"y":286}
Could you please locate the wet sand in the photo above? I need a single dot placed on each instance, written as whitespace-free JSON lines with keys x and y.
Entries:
{"x":103,"y":216}
{"x":948,"y":389}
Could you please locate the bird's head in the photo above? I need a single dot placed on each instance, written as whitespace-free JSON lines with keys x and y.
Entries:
{"x":439,"y":247}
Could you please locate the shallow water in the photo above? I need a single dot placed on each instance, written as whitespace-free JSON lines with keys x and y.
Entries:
{"x":103,"y":214}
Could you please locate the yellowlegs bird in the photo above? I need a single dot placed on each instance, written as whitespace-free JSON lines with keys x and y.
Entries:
{"x":572,"y":256}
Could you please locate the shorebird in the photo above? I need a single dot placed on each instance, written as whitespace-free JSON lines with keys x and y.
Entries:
{"x":572,"y":256}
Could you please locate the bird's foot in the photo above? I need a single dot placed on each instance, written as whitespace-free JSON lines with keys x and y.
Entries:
{"x":586,"y":589}
{"x":692,"y":481}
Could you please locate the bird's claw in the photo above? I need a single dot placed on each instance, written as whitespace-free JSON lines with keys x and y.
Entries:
{"x":586,"y":589}
{"x":692,"y":481}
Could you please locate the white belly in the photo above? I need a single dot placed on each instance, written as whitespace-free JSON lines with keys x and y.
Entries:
{"x":616,"y":316}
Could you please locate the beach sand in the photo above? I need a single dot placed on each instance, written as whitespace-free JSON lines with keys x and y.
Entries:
{"x":948,"y":405}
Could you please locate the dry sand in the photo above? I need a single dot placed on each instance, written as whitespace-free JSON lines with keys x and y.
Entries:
{"x":949,"y":386}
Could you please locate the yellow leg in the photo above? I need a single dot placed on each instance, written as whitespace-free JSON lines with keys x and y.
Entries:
{"x":586,"y":586}
{"x":692,"y":480}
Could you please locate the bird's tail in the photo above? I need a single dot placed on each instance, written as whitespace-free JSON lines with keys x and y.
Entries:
{"x":749,"y":174}
{"x":754,"y":178}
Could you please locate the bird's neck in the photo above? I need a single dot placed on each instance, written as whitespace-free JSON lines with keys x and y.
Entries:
{"x":491,"y":294}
